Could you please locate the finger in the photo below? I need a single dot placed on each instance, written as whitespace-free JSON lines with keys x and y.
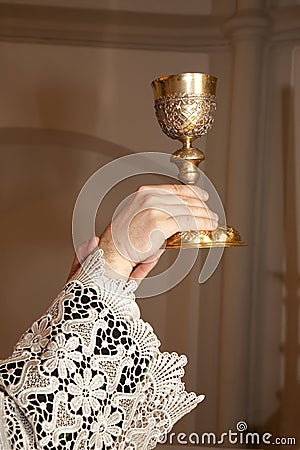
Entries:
{"x":181,"y":209}
{"x":173,"y":220}
{"x":195,"y":211}
{"x":190,"y":201}
{"x":92,"y":245}
{"x":143,"y":269}
{"x":157,"y":199}
{"x":153,"y":199}
{"x":178,"y":189}
{"x":155,"y":257}
{"x":82,"y":253}
{"x":187,"y":222}
{"x":86,"y":248}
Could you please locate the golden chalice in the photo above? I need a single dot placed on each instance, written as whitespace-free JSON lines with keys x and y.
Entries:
{"x":185,"y":106}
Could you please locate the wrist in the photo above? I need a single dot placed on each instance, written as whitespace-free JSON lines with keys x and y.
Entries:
{"x":116,"y":265}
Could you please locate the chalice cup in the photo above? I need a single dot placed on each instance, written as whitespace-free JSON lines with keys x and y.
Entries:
{"x":185,"y":106}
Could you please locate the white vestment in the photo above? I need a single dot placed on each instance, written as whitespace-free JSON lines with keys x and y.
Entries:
{"x":89,"y":375}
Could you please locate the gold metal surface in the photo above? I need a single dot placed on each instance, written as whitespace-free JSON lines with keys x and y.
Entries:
{"x":184,"y":83}
{"x":221,"y":237}
{"x":185,"y":106}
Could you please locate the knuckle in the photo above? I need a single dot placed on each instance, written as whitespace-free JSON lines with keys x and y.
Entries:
{"x":147,"y":201}
{"x":150,"y":199}
{"x":155,"y":219}
{"x":152,"y":216}
{"x":179,"y":188}
{"x":209,"y":224}
{"x":200,"y":193}
{"x":142,"y":188}
{"x":172,"y":225}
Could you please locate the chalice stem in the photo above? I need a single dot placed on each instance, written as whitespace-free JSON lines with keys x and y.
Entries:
{"x":187,"y":160}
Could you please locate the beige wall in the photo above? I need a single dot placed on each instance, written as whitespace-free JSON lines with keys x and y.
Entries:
{"x":100,"y":92}
{"x":67,"y":111}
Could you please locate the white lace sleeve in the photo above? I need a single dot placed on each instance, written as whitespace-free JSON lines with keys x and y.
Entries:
{"x":89,"y":374}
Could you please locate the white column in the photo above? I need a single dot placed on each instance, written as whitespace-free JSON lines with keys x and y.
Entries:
{"x":247,"y":32}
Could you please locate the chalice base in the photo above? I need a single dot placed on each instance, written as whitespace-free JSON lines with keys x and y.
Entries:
{"x":220,"y":237}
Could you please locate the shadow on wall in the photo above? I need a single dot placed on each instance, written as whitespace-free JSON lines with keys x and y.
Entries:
{"x":67,"y":104}
{"x":41,"y":174}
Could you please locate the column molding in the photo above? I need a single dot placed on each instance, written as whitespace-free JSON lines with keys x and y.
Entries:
{"x":248,"y":31}
{"x":247,"y":24}
{"x":121,"y":29}
{"x":106,"y":28}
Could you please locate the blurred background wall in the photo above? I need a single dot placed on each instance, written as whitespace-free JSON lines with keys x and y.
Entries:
{"x":75,"y":94}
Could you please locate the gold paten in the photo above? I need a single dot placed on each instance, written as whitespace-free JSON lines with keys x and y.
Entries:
{"x":185,"y":106}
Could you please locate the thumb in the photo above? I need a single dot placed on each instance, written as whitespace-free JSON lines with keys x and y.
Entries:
{"x":141,"y":271}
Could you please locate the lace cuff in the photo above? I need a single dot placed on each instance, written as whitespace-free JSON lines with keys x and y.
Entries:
{"x":89,"y":373}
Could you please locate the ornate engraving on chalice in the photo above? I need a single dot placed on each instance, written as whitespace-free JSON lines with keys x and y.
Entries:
{"x":181,"y":115}
{"x":185,"y":106}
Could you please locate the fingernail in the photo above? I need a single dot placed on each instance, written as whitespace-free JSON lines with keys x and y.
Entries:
{"x":205,"y":195}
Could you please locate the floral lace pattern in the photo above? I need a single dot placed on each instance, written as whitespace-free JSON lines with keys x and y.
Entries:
{"x":89,"y":374}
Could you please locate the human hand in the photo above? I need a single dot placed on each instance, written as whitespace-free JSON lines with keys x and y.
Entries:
{"x":132,"y":242}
